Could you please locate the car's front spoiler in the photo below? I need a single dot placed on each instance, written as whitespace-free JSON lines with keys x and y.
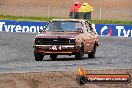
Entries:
{"x":62,"y":46}
{"x":65,"y":49}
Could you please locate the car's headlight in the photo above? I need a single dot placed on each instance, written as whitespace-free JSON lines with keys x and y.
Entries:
{"x":72,"y":41}
{"x":73,"y":38}
{"x":38,"y":41}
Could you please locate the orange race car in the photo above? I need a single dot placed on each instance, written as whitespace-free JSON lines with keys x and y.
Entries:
{"x":66,"y":37}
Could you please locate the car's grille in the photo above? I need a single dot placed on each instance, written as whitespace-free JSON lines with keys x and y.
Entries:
{"x":54,"y":41}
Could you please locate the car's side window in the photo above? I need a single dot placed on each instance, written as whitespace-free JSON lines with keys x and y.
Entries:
{"x":86,"y":28}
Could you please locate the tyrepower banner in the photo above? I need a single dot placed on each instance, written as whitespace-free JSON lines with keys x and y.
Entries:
{"x":113,"y":30}
{"x":33,"y":27}
{"x":21,"y":26}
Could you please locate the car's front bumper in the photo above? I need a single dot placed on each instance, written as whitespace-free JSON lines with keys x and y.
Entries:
{"x":56,"y":49}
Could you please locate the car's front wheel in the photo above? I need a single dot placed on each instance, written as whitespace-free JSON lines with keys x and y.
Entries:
{"x":80,"y":54}
{"x":53,"y":57}
{"x":38,"y":56}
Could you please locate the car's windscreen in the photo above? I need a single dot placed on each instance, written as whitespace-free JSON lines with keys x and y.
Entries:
{"x":64,"y":26}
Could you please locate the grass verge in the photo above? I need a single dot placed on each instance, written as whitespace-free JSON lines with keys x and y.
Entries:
{"x":26,"y":18}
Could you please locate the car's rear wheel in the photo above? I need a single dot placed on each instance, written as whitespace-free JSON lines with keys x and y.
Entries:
{"x":92,"y":54}
{"x":80,"y":54}
{"x":53,"y":57}
{"x":38,"y":56}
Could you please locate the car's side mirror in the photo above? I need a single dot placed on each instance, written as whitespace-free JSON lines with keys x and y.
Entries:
{"x":81,"y":31}
{"x":40,"y":30}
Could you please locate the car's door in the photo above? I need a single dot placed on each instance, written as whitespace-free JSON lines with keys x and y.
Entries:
{"x":88,"y":38}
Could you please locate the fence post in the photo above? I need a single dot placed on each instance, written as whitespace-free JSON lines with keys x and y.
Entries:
{"x":128,"y":11}
{"x":23,"y":8}
{"x":100,"y":13}
{"x":48,"y":11}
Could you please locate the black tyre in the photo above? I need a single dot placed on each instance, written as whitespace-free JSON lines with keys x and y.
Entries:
{"x":38,"y":56}
{"x":80,"y":54}
{"x":92,"y":54}
{"x":81,"y":80}
{"x":53,"y":57}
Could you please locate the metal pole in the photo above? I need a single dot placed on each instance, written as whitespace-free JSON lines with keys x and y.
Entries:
{"x":128,"y":11}
{"x":48,"y":12}
{"x":23,"y":8}
{"x":73,"y":13}
{"x":100,"y":12}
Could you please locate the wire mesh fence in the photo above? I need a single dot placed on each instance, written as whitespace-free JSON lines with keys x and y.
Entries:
{"x":112,"y":13}
{"x":63,"y":12}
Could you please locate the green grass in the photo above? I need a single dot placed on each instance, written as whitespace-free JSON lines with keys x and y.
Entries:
{"x":111,"y":22}
{"x":26,"y":18}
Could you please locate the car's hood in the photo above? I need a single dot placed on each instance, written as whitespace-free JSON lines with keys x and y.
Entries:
{"x":57,"y":35}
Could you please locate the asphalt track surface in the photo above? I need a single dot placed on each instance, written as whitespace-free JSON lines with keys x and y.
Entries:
{"x":16,"y":55}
